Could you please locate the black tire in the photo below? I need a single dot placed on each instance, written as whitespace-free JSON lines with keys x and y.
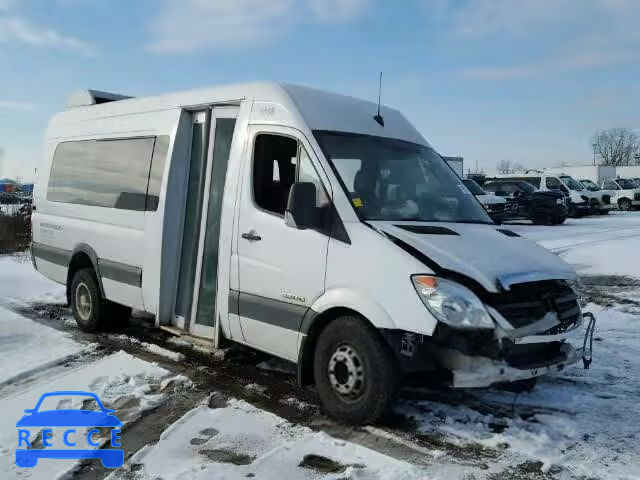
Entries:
{"x":539,"y":219}
{"x":625,"y":204}
{"x":377,"y":381}
{"x":558,"y":220}
{"x":90,"y":309}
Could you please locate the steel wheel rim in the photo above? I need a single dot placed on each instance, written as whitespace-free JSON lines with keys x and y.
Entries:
{"x":346,"y":373}
{"x":83,"y":302}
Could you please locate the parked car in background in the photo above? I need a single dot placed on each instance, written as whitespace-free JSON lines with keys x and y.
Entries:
{"x":578,"y":203}
{"x":599,"y":201}
{"x":624,"y":192}
{"x":495,"y":206}
{"x":543,"y":208}
{"x":606,"y":205}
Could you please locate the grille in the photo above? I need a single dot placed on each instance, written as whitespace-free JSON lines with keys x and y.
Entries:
{"x":526,"y":303}
{"x":496,"y":207}
{"x":636,"y":196}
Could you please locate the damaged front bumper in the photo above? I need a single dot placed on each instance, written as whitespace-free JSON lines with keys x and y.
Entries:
{"x":482,"y":359}
{"x":528,"y":357}
{"x":476,"y":372}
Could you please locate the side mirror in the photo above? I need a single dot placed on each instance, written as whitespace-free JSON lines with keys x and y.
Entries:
{"x":302,"y":212}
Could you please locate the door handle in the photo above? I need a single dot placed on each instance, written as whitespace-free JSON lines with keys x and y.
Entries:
{"x":252,"y":236}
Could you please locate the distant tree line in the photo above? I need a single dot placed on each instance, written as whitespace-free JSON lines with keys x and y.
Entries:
{"x":617,"y":146}
{"x":507,"y":166}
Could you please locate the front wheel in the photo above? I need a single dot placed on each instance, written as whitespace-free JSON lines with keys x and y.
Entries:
{"x":356,"y":374}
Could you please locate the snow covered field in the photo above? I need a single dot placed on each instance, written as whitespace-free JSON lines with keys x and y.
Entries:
{"x":576,"y":424}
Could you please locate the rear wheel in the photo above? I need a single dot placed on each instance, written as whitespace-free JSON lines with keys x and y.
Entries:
{"x":625,"y":204}
{"x":90,"y":309}
{"x":355,"y":372}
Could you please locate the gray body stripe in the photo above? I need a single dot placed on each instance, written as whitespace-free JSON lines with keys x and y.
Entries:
{"x":54,"y":255}
{"x":266,"y":310}
{"x":119,"y":272}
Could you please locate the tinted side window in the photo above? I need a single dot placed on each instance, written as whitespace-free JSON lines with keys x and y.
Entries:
{"x":158,"y":161}
{"x":610,"y":185}
{"x":102,"y":173}
{"x":553,"y":183}
{"x":274,"y":171}
{"x":535,"y":181}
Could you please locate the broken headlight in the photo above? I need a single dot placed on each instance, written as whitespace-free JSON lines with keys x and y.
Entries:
{"x":452,"y":303}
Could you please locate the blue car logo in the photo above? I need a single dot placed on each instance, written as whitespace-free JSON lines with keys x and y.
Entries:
{"x":48,"y":419}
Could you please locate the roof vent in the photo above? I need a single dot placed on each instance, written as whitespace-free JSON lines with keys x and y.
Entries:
{"x":85,"y":98}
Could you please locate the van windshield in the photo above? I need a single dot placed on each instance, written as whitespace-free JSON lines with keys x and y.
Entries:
{"x":590,"y":185}
{"x":626,"y":184}
{"x":394,"y":180}
{"x":572,"y":183}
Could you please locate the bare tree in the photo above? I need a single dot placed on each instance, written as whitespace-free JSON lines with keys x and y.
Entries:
{"x":504,"y":166}
{"x":616,"y":146}
{"x":518,"y":168}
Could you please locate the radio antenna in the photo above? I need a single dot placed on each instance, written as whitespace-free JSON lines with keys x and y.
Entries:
{"x":378,"y":118}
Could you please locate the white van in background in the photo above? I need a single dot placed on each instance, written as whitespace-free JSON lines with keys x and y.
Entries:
{"x":300,"y":223}
{"x":624,"y":192}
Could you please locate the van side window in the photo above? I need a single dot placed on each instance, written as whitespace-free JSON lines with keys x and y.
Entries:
{"x":112,"y":173}
{"x":273,"y":171}
{"x":535,"y":181}
{"x":553,"y":183}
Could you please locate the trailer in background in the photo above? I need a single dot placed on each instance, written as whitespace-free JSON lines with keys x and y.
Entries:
{"x":596,"y":173}
{"x":457,"y":163}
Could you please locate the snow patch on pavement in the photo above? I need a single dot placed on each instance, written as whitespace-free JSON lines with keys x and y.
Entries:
{"x":21,"y":283}
{"x":27,"y":347}
{"x":122,"y":381}
{"x":240,"y":441}
{"x":150,"y":347}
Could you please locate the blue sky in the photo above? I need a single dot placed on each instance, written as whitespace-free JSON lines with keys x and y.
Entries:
{"x":522,"y":80}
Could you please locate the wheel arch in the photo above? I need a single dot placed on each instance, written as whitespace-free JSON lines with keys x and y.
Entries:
{"x":326,"y":309}
{"x":83,"y":256}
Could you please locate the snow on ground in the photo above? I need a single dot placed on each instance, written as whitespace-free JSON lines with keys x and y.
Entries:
{"x":151,"y":347}
{"x":121,"y":381}
{"x":27,"y":347}
{"x":606,"y":245}
{"x":33,"y":358}
{"x":20,"y":282}
{"x":240,"y":441}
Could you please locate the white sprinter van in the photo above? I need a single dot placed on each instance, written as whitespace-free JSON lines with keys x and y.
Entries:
{"x":292,"y":221}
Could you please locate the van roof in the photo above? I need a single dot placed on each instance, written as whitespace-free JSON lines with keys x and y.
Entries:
{"x":321,"y":110}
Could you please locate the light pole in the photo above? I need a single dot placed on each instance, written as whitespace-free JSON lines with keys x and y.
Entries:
{"x":594,"y":152}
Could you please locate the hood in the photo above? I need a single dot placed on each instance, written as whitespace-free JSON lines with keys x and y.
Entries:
{"x":490,"y":199}
{"x":481,"y":252}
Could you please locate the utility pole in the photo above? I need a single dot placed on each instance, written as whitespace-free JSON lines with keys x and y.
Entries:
{"x":594,"y":153}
